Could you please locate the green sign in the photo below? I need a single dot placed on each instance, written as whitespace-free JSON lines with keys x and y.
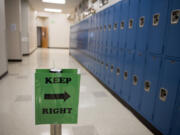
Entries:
{"x":56,"y":96}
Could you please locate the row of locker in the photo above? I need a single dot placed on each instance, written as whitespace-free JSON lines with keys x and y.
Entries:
{"x":136,"y":56}
{"x":144,"y":25}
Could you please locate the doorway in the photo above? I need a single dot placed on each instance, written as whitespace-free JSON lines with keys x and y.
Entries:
{"x":42,"y":37}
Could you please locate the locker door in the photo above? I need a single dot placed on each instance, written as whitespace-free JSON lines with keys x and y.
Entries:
{"x":132,"y":24}
{"x":137,"y":74}
{"x":165,"y":102}
{"x":119,"y":74}
{"x":172,"y":39}
{"x":176,"y":120}
{"x":123,"y":22}
{"x":127,"y":72}
{"x":150,"y":88}
{"x":157,"y":26}
{"x":144,"y":19}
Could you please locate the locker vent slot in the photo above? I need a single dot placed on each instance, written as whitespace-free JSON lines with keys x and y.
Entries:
{"x":115,"y":26}
{"x":135,"y":80}
{"x":141,"y":22}
{"x":125,"y":75}
{"x":118,"y":71}
{"x":112,"y":68}
{"x":109,"y":27}
{"x":156,"y":19}
{"x":147,"y":86}
{"x":175,"y":15}
{"x":106,"y":66}
{"x":163,"y":94}
{"x":122,"y":25}
{"x":130,"y":23}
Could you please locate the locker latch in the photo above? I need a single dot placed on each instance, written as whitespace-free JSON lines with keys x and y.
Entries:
{"x":109,"y":27}
{"x":112,"y":68}
{"x":118,"y":71}
{"x":106,"y":66}
{"x":156,"y":19}
{"x":135,"y":80}
{"x":115,"y":26}
{"x":147,"y":86}
{"x":104,"y":27}
{"x":122,"y":25}
{"x":130,"y":23}
{"x":141,"y":22}
{"x":163,"y":94}
{"x":175,"y":15}
{"x":125,"y":75}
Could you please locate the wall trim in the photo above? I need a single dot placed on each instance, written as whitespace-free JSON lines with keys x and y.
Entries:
{"x":3,"y":75}
{"x":134,"y":112}
{"x":14,"y":60}
{"x":27,"y":54}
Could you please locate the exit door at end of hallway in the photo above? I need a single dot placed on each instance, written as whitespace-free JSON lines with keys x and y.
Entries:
{"x":42,"y":37}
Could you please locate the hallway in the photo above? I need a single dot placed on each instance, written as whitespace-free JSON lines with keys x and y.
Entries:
{"x":99,"y":112}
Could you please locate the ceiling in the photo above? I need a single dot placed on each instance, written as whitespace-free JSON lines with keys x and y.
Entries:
{"x":66,"y":8}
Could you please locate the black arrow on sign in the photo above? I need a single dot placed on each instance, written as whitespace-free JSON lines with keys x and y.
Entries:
{"x":64,"y":96}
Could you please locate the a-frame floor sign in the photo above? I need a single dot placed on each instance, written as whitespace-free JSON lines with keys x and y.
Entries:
{"x":56,"y":97}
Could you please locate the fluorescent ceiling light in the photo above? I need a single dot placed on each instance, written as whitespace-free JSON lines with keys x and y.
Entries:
{"x":53,"y":10}
{"x":55,"y":1}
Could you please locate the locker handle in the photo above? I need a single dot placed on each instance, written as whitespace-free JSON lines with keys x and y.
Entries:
{"x":125,"y":75}
{"x":109,"y":27}
{"x":141,"y":22}
{"x":102,"y":63}
{"x":135,"y":80}
{"x":163,"y":94}
{"x":130,"y":23}
{"x":147,"y":86}
{"x":106,"y":66}
{"x":104,"y":27}
{"x":112,"y":68}
{"x":118,"y":71}
{"x":156,"y":18}
{"x":175,"y":15}
{"x":122,"y":25}
{"x":115,"y":26}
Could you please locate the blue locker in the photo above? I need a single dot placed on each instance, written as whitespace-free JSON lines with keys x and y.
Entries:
{"x":119,"y":69}
{"x":175,"y":126}
{"x":143,"y":26}
{"x":150,"y":85}
{"x":168,"y":89}
{"x":124,"y":9}
{"x":127,"y":72}
{"x":157,"y":26}
{"x":137,"y":74}
{"x":132,"y":24}
{"x":172,"y":39}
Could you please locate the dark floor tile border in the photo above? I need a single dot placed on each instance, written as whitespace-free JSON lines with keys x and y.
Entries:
{"x":3,"y":75}
{"x":136,"y":114}
{"x":27,"y":54}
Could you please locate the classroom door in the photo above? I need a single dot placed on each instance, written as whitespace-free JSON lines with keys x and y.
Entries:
{"x":44,"y":37}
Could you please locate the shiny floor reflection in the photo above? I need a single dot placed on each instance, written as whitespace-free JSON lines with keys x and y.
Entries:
{"x":99,"y":112}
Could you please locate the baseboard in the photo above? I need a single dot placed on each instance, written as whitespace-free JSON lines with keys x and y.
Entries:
{"x":14,"y":60}
{"x":27,"y":54}
{"x":3,"y":75}
{"x":136,"y":114}
{"x":58,"y":47}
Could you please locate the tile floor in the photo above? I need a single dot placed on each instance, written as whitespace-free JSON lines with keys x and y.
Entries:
{"x":99,"y":112}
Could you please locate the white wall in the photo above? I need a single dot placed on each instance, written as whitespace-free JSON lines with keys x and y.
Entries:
{"x":25,"y":32}
{"x":32,"y":28}
{"x":13,"y":29}
{"x":3,"y":51}
{"x":59,"y":31}
{"x":58,"y":28}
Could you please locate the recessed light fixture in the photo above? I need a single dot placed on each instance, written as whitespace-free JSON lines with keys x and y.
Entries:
{"x":55,"y":1}
{"x":53,"y":10}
